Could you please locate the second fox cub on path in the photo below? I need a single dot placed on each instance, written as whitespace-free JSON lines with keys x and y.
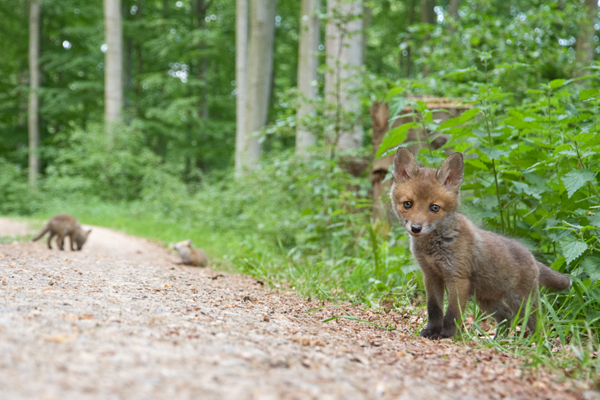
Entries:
{"x":63,"y":226}
{"x":190,"y":255}
{"x":455,"y":254}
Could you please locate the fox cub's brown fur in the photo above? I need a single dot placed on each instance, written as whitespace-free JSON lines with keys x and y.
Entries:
{"x":63,"y":226}
{"x":455,"y":254}
{"x":190,"y":255}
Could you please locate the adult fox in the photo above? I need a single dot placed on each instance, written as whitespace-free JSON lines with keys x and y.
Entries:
{"x":454,"y":253}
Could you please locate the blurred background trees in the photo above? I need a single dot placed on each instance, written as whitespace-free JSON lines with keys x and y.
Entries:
{"x":179,"y":81}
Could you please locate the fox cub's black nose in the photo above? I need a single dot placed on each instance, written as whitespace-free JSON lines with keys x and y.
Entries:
{"x":416,"y":228}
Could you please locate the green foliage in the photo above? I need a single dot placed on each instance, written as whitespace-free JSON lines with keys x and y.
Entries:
{"x":15,"y":197}
{"x":529,"y":42}
{"x":118,"y":168}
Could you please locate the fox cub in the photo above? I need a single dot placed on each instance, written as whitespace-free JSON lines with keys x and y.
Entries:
{"x":190,"y":255}
{"x":455,"y":254}
{"x":63,"y":226}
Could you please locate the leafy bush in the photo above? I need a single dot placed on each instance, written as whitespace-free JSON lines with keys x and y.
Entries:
{"x":93,"y":163}
{"x":15,"y":197}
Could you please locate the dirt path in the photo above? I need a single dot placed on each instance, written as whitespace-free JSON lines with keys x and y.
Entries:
{"x":119,"y":320}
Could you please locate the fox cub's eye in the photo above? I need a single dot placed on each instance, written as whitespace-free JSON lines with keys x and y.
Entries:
{"x":434,"y":208}
{"x":407,"y":204}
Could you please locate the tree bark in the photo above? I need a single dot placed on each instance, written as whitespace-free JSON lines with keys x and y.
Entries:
{"x":453,"y":8}
{"x":343,"y":44}
{"x":307,"y":71}
{"x":428,"y":15}
{"x":113,"y":62}
{"x":241,"y":62}
{"x":34,"y":84}
{"x":201,"y":11}
{"x":585,"y":41}
{"x":259,"y":70}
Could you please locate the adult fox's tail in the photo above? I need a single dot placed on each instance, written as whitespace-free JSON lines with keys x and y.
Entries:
{"x":553,"y":279}
{"x":42,"y":233}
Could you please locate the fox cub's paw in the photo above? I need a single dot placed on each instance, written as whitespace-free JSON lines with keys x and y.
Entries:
{"x":447,"y":333}
{"x":431,"y":332}
{"x":437,"y":333}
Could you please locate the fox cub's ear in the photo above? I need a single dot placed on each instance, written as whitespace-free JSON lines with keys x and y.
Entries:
{"x":405,"y":165}
{"x":450,"y":173}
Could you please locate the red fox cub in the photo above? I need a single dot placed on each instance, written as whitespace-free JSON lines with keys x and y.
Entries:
{"x":455,"y":254}
{"x":190,"y":255}
{"x":63,"y":226}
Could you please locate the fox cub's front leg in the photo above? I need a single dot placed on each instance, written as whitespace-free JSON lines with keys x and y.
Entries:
{"x":458,"y":291}
{"x":434,"y":289}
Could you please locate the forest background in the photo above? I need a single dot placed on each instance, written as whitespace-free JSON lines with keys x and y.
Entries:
{"x":123,"y":114}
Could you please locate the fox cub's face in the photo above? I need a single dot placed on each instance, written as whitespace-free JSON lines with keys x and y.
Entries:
{"x":81,"y":238}
{"x":184,"y":246}
{"x":421,"y":197}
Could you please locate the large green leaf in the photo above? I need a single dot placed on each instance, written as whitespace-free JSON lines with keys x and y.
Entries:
{"x":493,"y":153}
{"x":572,"y":248}
{"x":591,"y":265}
{"x":395,"y":137}
{"x":575,"y":179}
{"x":461,"y":119}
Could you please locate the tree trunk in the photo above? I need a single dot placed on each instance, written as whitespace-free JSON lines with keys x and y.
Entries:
{"x":453,"y":8}
{"x":201,"y":11}
{"x":366,"y":20}
{"x":428,"y":15}
{"x":260,"y":68}
{"x":585,"y":40}
{"x":307,"y":71}
{"x":34,"y":84}
{"x":113,"y":65}
{"x":241,"y":62}
{"x":343,"y":44}
{"x":411,"y":20}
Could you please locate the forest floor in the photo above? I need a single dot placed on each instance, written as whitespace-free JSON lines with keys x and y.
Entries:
{"x":120,"y":320}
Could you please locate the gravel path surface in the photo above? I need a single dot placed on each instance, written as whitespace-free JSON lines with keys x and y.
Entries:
{"x":119,"y":320}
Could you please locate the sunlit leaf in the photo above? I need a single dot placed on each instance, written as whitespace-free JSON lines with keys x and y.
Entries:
{"x":394,"y":137}
{"x":572,"y":248}
{"x":591,"y":265}
{"x":575,"y":179}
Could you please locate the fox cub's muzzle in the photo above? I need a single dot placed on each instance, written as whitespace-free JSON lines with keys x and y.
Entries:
{"x":416,"y":228}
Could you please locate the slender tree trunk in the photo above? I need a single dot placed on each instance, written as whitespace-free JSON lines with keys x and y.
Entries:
{"x":128,"y":71}
{"x":260,"y":68}
{"x":366,"y":20}
{"x":585,"y":41}
{"x":308,"y":64}
{"x":201,"y":11}
{"x":453,"y":8}
{"x":34,"y":84}
{"x":343,"y":44}
{"x":428,"y":15}
{"x":113,"y":65}
{"x":241,"y":63}
{"x":411,"y":20}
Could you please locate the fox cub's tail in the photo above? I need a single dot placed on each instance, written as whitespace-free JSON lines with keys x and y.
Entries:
{"x":42,"y":233}
{"x":553,"y":279}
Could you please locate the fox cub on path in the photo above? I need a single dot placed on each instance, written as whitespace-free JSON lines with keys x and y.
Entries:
{"x":190,"y":255}
{"x":454,"y":253}
{"x":62,"y":226}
